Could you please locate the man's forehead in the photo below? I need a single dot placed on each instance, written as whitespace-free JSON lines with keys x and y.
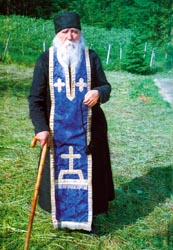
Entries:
{"x":71,"y":29}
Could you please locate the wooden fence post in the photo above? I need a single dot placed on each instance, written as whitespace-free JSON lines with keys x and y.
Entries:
{"x":145,"y":49}
{"x":108,"y":54}
{"x":152,"y":60}
{"x":44,"y":46}
{"x":121,"y":52}
{"x":6,"y":47}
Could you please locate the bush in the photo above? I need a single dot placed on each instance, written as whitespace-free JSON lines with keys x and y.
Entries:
{"x":136,"y":61}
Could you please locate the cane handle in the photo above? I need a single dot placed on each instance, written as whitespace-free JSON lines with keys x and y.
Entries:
{"x":33,"y":142}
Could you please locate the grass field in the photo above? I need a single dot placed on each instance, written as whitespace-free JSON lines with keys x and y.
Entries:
{"x":22,"y":39}
{"x":141,"y":139}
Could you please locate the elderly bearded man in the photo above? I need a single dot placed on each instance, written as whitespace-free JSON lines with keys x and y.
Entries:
{"x":68,"y":87}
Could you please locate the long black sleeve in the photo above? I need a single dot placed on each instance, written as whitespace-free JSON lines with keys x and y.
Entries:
{"x":39,"y":98}
{"x":98,"y":78}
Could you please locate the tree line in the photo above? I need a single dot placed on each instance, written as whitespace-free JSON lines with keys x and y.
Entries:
{"x":152,"y":19}
{"x":149,"y":22}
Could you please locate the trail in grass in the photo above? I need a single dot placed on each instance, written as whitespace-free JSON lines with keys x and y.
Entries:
{"x":166,"y":88}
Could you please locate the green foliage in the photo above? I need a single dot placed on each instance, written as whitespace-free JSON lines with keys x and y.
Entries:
{"x":26,"y":38}
{"x":136,"y":58}
{"x":32,"y":8}
{"x":28,"y":34}
{"x":22,"y":40}
{"x":152,"y":19}
{"x":169,"y":56}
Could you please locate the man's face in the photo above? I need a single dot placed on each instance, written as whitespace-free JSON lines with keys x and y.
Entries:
{"x":69,"y":34}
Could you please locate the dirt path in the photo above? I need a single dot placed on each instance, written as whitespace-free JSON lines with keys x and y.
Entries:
{"x":165,"y":86}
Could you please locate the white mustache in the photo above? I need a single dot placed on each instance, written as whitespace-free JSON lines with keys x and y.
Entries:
{"x":69,"y":45}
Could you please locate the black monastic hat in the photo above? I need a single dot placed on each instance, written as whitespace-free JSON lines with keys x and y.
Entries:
{"x":66,"y":20}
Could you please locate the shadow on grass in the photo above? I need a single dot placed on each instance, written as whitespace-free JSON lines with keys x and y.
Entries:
{"x":138,"y":198}
{"x":15,"y":87}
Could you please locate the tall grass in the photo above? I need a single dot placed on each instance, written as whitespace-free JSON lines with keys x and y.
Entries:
{"x":140,"y":137}
{"x":27,"y":37}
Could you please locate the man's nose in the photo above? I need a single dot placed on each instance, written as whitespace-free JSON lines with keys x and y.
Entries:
{"x":69,"y":35}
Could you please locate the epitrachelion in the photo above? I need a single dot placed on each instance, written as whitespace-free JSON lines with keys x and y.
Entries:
{"x":70,"y":124}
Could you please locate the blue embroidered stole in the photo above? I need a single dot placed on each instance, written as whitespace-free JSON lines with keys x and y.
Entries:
{"x":70,"y":124}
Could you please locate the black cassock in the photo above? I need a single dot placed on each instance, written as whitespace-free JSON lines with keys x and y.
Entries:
{"x":39,"y":106}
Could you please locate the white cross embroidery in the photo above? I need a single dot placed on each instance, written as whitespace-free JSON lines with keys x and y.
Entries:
{"x":71,"y":156}
{"x":81,"y":84}
{"x":59,"y":84}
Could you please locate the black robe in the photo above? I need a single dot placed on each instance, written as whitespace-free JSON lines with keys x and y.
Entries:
{"x":39,"y":106}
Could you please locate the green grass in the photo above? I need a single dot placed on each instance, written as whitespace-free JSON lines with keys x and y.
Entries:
{"x":25,"y":38}
{"x":140,"y":137}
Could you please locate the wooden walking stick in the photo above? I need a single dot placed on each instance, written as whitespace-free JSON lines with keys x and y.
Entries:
{"x":37,"y":186}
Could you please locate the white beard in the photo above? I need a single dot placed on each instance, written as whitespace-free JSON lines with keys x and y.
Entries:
{"x":69,"y":53}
